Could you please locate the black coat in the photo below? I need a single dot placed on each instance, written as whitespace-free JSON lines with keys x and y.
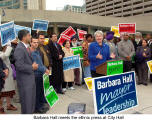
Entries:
{"x":57,"y":64}
{"x":2,"y":74}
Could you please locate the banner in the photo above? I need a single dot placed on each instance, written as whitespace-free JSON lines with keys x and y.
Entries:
{"x":78,"y":51}
{"x":81,"y":33}
{"x":71,"y":62}
{"x":114,"y":67}
{"x":127,"y":27}
{"x":149,"y":63}
{"x":63,"y":38}
{"x":49,"y":92}
{"x":88,"y":82}
{"x":7,"y":33}
{"x":18,"y":28}
{"x":115,"y":29}
{"x":69,"y":32}
{"x":41,"y":25}
{"x":115,"y":93}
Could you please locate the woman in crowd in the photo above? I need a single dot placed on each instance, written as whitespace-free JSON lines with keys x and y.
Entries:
{"x":86,"y":63}
{"x":112,"y":46}
{"x":9,"y":87}
{"x":74,"y":43}
{"x":143,"y":54}
{"x":68,"y":74}
{"x":98,"y":53}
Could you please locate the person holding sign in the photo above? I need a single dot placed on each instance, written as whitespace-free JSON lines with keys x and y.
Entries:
{"x":126,"y":50}
{"x":25,"y":73}
{"x":74,"y":43}
{"x":40,"y":98}
{"x":98,"y":53}
{"x":143,"y":54}
{"x":68,"y":74}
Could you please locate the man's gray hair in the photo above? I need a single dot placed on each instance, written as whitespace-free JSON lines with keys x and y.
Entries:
{"x":139,"y":34}
{"x":98,"y":32}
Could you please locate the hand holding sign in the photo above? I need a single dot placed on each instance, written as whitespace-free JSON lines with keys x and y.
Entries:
{"x":47,"y":72}
{"x":99,"y":56}
{"x":112,"y":55}
{"x":35,"y":66}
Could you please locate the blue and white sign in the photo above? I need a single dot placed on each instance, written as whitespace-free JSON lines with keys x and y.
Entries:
{"x":71,"y":62}
{"x":115,"y":93}
{"x":18,"y":28}
{"x":7,"y":33}
{"x":41,"y":25}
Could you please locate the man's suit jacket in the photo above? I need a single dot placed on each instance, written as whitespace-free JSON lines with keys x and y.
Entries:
{"x":25,"y":78}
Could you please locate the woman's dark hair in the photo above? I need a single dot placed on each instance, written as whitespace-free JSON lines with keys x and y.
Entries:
{"x":145,"y":40}
{"x":22,"y":33}
{"x":88,"y":35}
{"x":66,"y":42}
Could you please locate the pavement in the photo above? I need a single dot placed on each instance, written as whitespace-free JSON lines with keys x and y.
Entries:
{"x":82,"y":95}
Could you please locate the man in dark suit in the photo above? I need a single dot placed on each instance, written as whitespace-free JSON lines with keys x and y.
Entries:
{"x":25,"y":73}
{"x":57,"y":55}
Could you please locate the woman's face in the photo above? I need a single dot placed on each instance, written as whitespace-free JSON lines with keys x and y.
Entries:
{"x":67,"y":45}
{"x":99,"y":38}
{"x":144,"y":43}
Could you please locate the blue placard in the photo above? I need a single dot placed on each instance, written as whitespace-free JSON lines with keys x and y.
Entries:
{"x":7,"y":33}
{"x":18,"y":28}
{"x":71,"y":62}
{"x":41,"y":25}
{"x":115,"y":93}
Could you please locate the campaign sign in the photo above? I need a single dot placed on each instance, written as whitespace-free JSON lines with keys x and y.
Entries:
{"x":88,"y":82}
{"x":115,"y":29}
{"x":149,"y":63}
{"x":114,"y":67}
{"x":127,"y":27}
{"x":62,"y":39}
{"x":18,"y":28}
{"x":71,"y":62}
{"x":115,"y":93}
{"x":69,"y":32}
{"x":7,"y":33}
{"x":51,"y":96}
{"x":78,"y":51}
{"x":46,"y":83}
{"x":49,"y":92}
{"x":81,"y":34}
{"x":41,"y":25}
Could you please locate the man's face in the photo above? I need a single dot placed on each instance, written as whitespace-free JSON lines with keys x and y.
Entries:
{"x":126,"y":37}
{"x":74,"y":40}
{"x":99,"y":38}
{"x":54,"y":38}
{"x":90,"y":39}
{"x":34,"y":43}
{"x":138,"y":37}
{"x":41,"y":39}
{"x":28,"y":38}
{"x":148,"y":36}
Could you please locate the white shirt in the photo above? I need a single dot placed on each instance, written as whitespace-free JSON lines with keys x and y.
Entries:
{"x":26,"y":45}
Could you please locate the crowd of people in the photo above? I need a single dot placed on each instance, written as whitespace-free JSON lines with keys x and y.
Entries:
{"x":25,"y":60}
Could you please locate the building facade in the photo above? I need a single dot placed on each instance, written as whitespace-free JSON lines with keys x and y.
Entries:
{"x":77,"y":9}
{"x":119,"y":8}
{"x":23,"y":4}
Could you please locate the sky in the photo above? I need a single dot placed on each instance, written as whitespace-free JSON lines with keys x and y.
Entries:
{"x":59,"y":4}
